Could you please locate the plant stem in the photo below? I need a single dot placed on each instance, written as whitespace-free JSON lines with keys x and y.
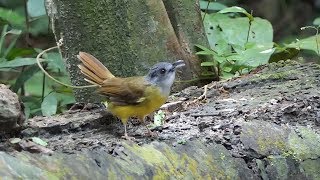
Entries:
{"x":206,"y":12}
{"x":27,"y":36}
{"x":249,"y":28}
{"x":43,"y":85}
{"x":3,"y":34}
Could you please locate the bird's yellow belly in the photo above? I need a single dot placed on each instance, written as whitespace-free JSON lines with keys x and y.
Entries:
{"x":153,"y":100}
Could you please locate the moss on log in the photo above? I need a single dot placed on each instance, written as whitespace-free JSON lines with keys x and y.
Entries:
{"x":155,"y":160}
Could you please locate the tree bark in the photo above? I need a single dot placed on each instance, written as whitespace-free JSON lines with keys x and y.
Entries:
{"x":127,"y":36}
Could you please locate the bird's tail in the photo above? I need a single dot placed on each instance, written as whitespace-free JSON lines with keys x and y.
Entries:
{"x":93,"y":69}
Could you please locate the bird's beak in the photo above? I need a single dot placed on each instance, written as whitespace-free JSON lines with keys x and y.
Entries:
{"x":178,"y":64}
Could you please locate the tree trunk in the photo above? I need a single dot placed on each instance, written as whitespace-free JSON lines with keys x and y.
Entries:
{"x":127,"y":36}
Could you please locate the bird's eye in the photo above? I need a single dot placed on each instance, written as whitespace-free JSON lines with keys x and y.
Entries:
{"x":162,"y":71}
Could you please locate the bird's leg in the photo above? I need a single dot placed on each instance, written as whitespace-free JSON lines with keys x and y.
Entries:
{"x":149,"y":133}
{"x":125,"y":136}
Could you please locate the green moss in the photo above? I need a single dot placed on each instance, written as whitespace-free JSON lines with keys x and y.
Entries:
{"x":111,"y":174}
{"x":306,"y":145}
{"x":275,"y":75}
{"x":52,"y":177}
{"x":311,"y":168}
{"x":279,"y":164}
{"x":168,"y":163}
{"x":265,"y":144}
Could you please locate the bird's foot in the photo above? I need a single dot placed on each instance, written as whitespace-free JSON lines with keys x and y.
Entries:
{"x":126,"y":137}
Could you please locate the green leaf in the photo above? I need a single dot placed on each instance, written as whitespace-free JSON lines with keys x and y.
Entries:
{"x":65,"y":98}
{"x":39,"y":141}
{"x":220,"y":27}
{"x":34,"y":87}
{"x":220,"y":59}
{"x":316,"y":22}
{"x":159,"y":118}
{"x":13,"y":40}
{"x":237,"y":48}
{"x":227,"y":75}
{"x":36,"y":8}
{"x":311,"y":43}
{"x":49,"y":105}
{"x":261,"y":31}
{"x":213,"y":6}
{"x":12,"y":17}
{"x":227,"y":69}
{"x":26,"y":112}
{"x":222,"y":47}
{"x":236,"y":9}
{"x":208,"y":63}
{"x":32,"y":104}
{"x":203,"y":48}
{"x":23,"y":77}
{"x":212,"y":27}
{"x":14,"y":31}
{"x":255,"y":56}
{"x":3,"y":35}
{"x":235,"y":30}
{"x":283,"y":54}
{"x":223,"y":31}
{"x":19,"y":52}
{"x":55,"y":61}
{"x":205,"y":53}
{"x":39,"y":25}
{"x":18,"y":62}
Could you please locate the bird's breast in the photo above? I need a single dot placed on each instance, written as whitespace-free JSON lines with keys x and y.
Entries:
{"x":153,"y":99}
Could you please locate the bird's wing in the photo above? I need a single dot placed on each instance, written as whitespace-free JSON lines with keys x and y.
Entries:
{"x":124,"y":91}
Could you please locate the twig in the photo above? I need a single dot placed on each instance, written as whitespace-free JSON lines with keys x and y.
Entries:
{"x":206,"y":12}
{"x":47,"y":74}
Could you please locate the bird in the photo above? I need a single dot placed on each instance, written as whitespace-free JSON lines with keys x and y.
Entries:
{"x":136,"y":96}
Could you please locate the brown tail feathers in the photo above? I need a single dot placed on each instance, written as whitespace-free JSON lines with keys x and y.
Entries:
{"x":93,"y":69}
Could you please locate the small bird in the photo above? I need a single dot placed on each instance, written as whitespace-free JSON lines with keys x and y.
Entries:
{"x":135,"y":96}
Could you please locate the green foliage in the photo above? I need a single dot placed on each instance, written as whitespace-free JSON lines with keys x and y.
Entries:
{"x":38,"y":21}
{"x":16,"y":33}
{"x":159,"y":118}
{"x":12,"y":17}
{"x":40,"y":95}
{"x":316,"y":21}
{"x":18,"y":62}
{"x":49,"y":105}
{"x":239,"y":44}
{"x":311,"y":43}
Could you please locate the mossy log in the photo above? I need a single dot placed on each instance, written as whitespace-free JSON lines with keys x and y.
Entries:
{"x":157,"y":160}
{"x":263,"y":125}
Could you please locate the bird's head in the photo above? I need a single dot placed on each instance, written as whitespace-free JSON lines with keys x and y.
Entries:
{"x":163,"y":74}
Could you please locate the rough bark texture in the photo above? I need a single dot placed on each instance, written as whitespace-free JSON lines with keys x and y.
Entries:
{"x":127,"y":36}
{"x":265,"y":125}
{"x":156,"y":160}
